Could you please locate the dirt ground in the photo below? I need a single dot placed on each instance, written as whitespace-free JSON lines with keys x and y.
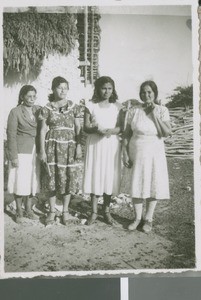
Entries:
{"x":31,"y":247}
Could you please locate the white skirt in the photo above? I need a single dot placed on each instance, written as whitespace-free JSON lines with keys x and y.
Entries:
{"x":149,"y":174}
{"x":102,"y":165}
{"x":25,"y":179}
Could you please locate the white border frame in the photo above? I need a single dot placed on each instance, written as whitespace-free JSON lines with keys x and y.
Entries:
{"x":197,"y":168}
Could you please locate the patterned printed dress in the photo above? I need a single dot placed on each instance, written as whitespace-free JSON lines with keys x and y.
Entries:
{"x":60,"y":146}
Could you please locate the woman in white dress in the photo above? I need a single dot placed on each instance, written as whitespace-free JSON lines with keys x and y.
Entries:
{"x":143,"y":150}
{"x":103,"y":150}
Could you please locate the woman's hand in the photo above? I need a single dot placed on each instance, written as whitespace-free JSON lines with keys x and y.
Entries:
{"x":43,"y":156}
{"x":149,"y":107}
{"x":106,"y":132}
{"x":78,"y":154}
{"x":109,"y":132}
{"x":14,"y":163}
{"x":126,"y":160}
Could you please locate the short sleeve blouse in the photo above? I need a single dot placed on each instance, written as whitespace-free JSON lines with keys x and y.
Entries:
{"x":161,"y":111}
{"x":50,"y":108}
{"x":130,"y":115}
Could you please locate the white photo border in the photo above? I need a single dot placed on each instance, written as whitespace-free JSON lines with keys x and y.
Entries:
{"x":197,"y":167}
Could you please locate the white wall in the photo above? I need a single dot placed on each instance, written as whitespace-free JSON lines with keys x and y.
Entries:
{"x":135,"y":48}
{"x":54,"y":65}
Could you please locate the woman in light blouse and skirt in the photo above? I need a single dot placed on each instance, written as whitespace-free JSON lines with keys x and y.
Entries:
{"x":23,"y":178}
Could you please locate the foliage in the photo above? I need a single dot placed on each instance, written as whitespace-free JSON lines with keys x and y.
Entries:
{"x":183,"y":96}
{"x":29,"y":37}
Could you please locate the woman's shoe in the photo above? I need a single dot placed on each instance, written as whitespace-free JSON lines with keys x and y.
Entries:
{"x":147,"y":227}
{"x":19,"y":217}
{"x":108,"y":218}
{"x":66,"y":217}
{"x":133,"y":226}
{"x":30,"y":215}
{"x":50,"y":218}
{"x":92,"y":219}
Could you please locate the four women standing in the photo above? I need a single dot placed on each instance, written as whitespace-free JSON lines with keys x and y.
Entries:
{"x":143,"y":148}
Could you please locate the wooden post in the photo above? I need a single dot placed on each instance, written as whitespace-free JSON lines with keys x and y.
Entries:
{"x":85,"y":42}
{"x":92,"y":45}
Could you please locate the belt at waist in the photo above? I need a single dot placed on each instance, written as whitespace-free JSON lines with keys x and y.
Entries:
{"x":61,"y":128}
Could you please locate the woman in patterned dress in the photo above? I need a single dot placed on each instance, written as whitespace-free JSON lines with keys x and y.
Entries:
{"x":103,"y":151}
{"x":60,"y":146}
{"x":143,"y":150}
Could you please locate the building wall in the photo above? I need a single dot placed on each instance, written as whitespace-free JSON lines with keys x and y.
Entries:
{"x":54,"y":65}
{"x":135,"y":48}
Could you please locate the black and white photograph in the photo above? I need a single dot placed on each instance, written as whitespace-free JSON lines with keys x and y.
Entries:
{"x":100,"y":138}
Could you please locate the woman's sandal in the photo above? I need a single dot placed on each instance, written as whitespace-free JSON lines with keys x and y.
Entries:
{"x":92,"y":218}
{"x":19,"y":217}
{"x":66,"y":217}
{"x":147,"y":227}
{"x":133,"y":226}
{"x":108,"y":218}
{"x":50,"y":218}
{"x":30,"y":215}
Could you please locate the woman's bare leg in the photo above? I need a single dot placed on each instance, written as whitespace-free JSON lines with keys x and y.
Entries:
{"x":19,"y":211}
{"x":106,"y":209}
{"x":94,"y":214}
{"x":138,"y":207}
{"x":51,"y":215}
{"x":150,"y":208}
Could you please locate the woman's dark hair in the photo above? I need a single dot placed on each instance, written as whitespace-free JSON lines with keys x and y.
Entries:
{"x":98,"y":84}
{"x":24,"y":90}
{"x":153,"y":87}
{"x":55,"y":83}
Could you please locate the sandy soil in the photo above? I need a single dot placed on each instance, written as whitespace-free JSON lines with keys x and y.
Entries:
{"x":31,"y":246}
